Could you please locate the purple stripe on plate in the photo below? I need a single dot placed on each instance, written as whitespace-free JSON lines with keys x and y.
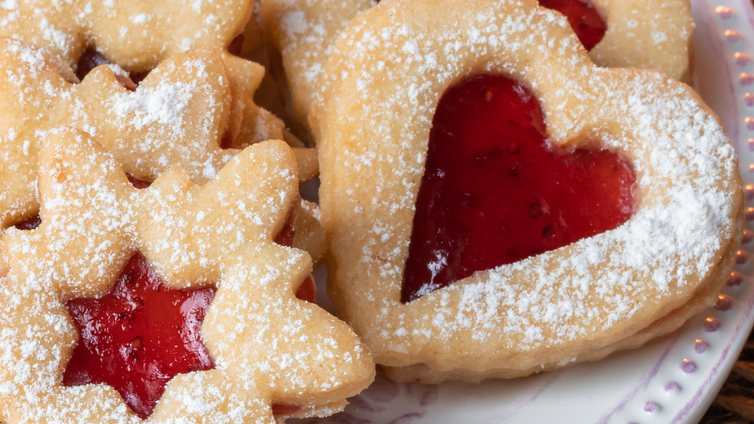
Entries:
{"x":513,"y":410}
{"x":644,"y":382}
{"x":750,"y":14}
{"x":742,"y":324}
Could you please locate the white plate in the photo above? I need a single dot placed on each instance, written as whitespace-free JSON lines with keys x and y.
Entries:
{"x":672,"y":380}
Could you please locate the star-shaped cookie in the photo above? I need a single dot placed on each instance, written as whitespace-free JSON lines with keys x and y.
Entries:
{"x":268,"y":346}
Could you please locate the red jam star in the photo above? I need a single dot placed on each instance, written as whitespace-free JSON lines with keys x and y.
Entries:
{"x":138,"y":337}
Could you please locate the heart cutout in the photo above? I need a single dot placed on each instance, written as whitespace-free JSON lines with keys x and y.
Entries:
{"x":494,"y":191}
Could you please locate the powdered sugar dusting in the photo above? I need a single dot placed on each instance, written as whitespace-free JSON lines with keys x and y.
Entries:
{"x":177,"y":116}
{"x":308,"y":30}
{"x":264,"y":341}
{"x":164,"y":104}
{"x":648,"y":35}
{"x":135,"y":35}
{"x":304,"y":31}
{"x":584,"y":295}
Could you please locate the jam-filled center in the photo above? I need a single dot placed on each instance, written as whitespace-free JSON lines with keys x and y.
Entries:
{"x":494,"y":191}
{"x":142,"y":334}
{"x":583,"y":17}
{"x":139,"y":336}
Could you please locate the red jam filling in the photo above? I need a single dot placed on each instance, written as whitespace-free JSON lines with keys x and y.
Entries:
{"x":236,"y":45}
{"x":30,"y":223}
{"x":35,"y":220}
{"x":142,"y":334}
{"x":495,"y":192}
{"x":283,"y":409}
{"x":138,"y":337}
{"x":138,"y":182}
{"x":307,"y":290}
{"x":583,"y":17}
{"x":285,"y":236}
{"x":92,"y":58}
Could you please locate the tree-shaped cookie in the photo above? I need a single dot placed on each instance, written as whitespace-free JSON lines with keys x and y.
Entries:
{"x":136,"y":35}
{"x":183,"y":113}
{"x":103,"y":240}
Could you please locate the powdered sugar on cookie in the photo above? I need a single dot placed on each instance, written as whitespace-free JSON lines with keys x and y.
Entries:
{"x":178,"y":116}
{"x":265,"y":342}
{"x":561,"y":303}
{"x":134,"y":35}
{"x":305,"y":32}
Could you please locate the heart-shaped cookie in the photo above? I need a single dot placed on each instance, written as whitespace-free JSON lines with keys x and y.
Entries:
{"x":611,"y":290}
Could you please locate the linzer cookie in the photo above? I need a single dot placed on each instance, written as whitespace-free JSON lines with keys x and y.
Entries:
{"x":190,"y":111}
{"x":135,"y":35}
{"x":168,"y":304}
{"x":498,"y":205}
{"x":618,"y":33}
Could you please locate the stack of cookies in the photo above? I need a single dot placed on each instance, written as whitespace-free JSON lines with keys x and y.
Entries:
{"x":497,"y":198}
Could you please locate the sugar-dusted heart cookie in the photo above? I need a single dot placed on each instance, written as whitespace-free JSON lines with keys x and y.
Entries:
{"x":618,"y":33}
{"x":168,"y":304}
{"x":136,"y":35}
{"x":499,"y":205}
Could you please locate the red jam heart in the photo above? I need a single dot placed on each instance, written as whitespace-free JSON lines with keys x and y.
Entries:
{"x":583,"y":17}
{"x":138,"y":337}
{"x":495,"y":192}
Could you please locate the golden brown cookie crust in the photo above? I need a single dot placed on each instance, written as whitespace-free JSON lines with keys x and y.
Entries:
{"x":385,"y":78}
{"x":702,"y":300}
{"x":268,"y":346}
{"x":304,"y":32}
{"x":646,"y":34}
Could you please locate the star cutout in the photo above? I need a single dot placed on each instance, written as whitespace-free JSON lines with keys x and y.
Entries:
{"x":139,"y":336}
{"x":269,"y":348}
